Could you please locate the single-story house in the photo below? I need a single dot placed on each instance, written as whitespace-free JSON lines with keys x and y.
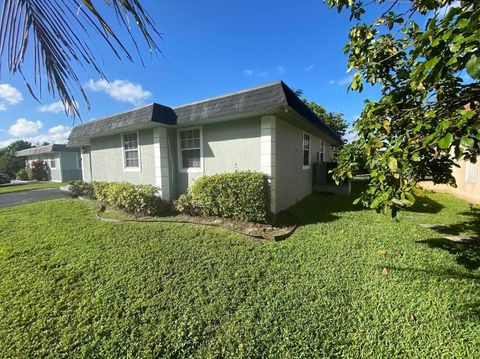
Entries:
{"x":64,"y":163}
{"x":467,"y":177}
{"x":266,"y":128}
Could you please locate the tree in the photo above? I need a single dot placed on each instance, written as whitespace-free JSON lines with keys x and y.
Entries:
{"x":335,"y":120}
{"x":419,"y":53}
{"x":56,"y":35}
{"x":9,"y":162}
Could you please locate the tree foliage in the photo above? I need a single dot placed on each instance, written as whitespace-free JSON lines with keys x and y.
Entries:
{"x":335,"y":120}
{"x":60,"y":36}
{"x":9,"y":162}
{"x":419,"y":53}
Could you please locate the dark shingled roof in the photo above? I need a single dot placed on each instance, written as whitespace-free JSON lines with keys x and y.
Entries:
{"x":46,"y":149}
{"x":254,"y":101}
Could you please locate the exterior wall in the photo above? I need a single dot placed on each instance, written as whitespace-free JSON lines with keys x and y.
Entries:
{"x":466,"y":190}
{"x":293,"y":182}
{"x":69,"y":166}
{"x":104,"y":162}
{"x":54,"y":174}
{"x":227,"y":147}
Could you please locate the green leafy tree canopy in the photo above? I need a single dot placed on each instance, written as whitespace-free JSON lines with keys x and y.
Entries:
{"x":425,"y":56}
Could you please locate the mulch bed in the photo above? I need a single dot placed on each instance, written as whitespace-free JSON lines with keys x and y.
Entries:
{"x":284,"y":225}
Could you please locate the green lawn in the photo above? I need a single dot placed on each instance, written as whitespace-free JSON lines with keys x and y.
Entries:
{"x":73,"y":286}
{"x":30,"y":186}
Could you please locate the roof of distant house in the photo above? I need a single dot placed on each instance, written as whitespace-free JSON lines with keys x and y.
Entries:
{"x":46,"y":149}
{"x":256,"y":101}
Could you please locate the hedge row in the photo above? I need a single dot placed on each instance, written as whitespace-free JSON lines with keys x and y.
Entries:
{"x":126,"y":197}
{"x":241,"y":195}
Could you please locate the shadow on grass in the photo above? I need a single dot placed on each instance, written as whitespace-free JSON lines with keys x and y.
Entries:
{"x":323,"y":207}
{"x":467,"y":253}
{"x":425,"y":205}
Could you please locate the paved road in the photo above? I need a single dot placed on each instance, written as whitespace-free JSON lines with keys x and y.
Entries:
{"x":23,"y":197}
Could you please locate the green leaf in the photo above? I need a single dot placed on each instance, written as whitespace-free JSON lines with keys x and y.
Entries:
{"x":393,"y":164}
{"x":467,"y":142}
{"x":462,"y":23}
{"x":473,"y":67}
{"x":416,"y":157}
{"x":446,"y":141}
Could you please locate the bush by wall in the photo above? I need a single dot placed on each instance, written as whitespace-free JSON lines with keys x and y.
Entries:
{"x":38,"y":170}
{"x":239,"y":195}
{"x":23,"y":175}
{"x":80,"y":188}
{"x":134,"y":199}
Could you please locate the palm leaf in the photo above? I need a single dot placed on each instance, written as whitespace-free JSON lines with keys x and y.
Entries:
{"x":60,"y":35}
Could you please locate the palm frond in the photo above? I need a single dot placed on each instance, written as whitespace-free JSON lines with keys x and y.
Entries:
{"x":60,"y":35}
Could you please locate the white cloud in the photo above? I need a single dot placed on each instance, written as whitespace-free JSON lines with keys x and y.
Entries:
{"x":263,"y":74}
{"x":24,"y":128}
{"x":56,"y":134}
{"x":281,"y":70}
{"x":341,"y":82}
{"x":444,"y":10}
{"x":309,"y":68}
{"x":248,"y":72}
{"x":121,"y":90}
{"x":9,"y":95}
{"x":54,"y":107}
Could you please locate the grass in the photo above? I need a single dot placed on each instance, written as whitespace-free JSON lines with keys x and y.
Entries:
{"x":349,"y":283}
{"x":30,"y":186}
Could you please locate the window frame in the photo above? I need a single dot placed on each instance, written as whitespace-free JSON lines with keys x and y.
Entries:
{"x":131,"y":169}
{"x":50,"y":163}
{"x":471,"y":172}
{"x":304,"y":166}
{"x":179,"y":150}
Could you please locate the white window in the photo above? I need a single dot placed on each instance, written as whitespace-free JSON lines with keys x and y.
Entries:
{"x":470,"y":172}
{"x":190,"y":149}
{"x":53,"y":163}
{"x":79,"y":160}
{"x":306,"y":151}
{"x":131,"y":151}
{"x":321,"y":153}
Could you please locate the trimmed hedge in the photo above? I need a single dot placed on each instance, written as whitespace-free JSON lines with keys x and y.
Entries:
{"x":126,"y":197}
{"x":240,"y":195}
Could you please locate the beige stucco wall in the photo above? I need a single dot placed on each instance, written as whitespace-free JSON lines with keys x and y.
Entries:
{"x":465,"y":190}
{"x":227,"y":147}
{"x":54,"y":174}
{"x":104,"y":162}
{"x":293,"y":182}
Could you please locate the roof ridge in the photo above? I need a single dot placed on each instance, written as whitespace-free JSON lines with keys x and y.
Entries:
{"x":278,"y":82}
{"x":118,"y":113}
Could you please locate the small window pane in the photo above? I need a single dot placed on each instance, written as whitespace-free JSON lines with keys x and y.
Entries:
{"x":191,"y":158}
{"x":306,"y":155}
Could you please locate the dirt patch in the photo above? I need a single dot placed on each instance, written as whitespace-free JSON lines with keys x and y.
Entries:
{"x":284,"y":224}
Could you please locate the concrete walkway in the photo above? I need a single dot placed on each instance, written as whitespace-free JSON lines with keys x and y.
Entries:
{"x":24,"y":197}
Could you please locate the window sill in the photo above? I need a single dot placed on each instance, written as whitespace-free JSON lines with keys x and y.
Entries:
{"x":132,"y":169}
{"x":306,"y":167}
{"x":191,"y":170}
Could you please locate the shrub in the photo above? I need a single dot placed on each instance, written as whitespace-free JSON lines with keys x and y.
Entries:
{"x":129,"y":198}
{"x":23,"y":175}
{"x":80,"y":188}
{"x":240,"y":195}
{"x":38,"y":170}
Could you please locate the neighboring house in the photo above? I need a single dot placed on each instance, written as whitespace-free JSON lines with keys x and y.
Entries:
{"x":266,"y":129}
{"x":467,"y":177}
{"x":64,"y":163}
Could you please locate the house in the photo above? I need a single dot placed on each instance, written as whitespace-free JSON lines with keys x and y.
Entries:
{"x":64,"y":163}
{"x":467,"y":177}
{"x":266,"y":129}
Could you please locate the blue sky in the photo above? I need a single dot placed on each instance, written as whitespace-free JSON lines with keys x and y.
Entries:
{"x":209,"y":48}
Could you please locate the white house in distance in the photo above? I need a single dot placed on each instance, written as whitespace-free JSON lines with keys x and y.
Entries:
{"x":64,"y":163}
{"x":266,"y":129}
